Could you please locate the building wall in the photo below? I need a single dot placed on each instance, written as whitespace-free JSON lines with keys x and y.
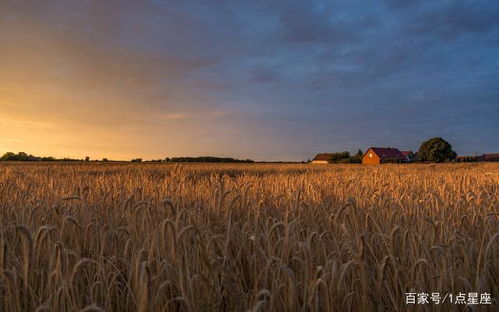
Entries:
{"x":490,"y":157}
{"x":370,"y":158}
{"x":320,"y":162}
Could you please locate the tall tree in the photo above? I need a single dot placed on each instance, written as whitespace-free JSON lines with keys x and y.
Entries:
{"x":436,"y":150}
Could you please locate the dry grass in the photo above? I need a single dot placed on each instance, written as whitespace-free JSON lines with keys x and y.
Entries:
{"x":156,"y":237}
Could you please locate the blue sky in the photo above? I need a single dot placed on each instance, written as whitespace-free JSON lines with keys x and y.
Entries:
{"x":267,"y":80}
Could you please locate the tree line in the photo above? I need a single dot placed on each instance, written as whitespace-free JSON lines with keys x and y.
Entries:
{"x":208,"y":159}
{"x":21,"y":156}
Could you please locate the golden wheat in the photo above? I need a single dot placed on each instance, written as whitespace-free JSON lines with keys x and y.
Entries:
{"x":244,"y":237}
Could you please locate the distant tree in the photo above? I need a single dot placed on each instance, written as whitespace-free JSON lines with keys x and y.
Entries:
{"x":87,"y":158}
{"x":339,"y":157}
{"x":436,"y":150}
{"x":21,"y":156}
{"x":355,"y":159}
{"x":346,"y":158}
{"x":8,"y":156}
{"x":137,"y":160}
{"x":208,"y":159}
{"x":105,"y":159}
{"x":155,"y":160}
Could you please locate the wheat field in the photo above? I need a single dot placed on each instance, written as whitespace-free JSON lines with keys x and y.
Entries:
{"x":245,"y":237}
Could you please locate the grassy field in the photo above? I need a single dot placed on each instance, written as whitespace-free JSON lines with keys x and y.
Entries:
{"x":220,"y":237}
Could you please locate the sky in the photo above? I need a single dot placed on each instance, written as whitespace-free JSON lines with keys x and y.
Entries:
{"x":261,"y":79}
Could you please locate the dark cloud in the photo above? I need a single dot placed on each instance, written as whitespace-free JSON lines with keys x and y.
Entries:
{"x":303,"y":24}
{"x":453,"y":19}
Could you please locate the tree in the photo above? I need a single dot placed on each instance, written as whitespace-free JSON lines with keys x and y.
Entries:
{"x":22,"y":156}
{"x":355,"y":159}
{"x":339,"y":157}
{"x":87,"y":158}
{"x":208,"y":159}
{"x":105,"y":159}
{"x":436,"y":150}
{"x":8,"y":156}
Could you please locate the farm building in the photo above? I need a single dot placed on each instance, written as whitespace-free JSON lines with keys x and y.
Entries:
{"x":474,"y":158}
{"x":380,"y":155}
{"x":322,"y":158}
{"x":477,"y":158}
{"x":408,"y":155}
{"x":491,"y":157}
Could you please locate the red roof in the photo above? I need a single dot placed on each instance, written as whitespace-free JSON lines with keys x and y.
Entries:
{"x":388,"y":153}
{"x":406,"y":153}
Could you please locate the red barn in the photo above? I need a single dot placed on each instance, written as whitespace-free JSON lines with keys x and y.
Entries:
{"x":380,"y":155}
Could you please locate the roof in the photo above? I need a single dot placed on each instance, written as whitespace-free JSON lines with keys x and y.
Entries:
{"x":387,"y":153}
{"x":491,"y":156}
{"x":323,"y":156}
{"x":406,"y":153}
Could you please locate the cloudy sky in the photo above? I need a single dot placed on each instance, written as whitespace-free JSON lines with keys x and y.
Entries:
{"x":260,"y":79}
